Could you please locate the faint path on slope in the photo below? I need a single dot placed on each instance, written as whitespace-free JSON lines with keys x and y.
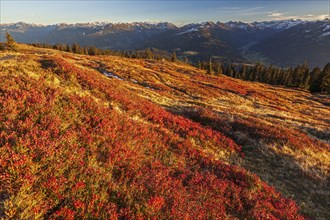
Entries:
{"x":287,"y":177}
{"x":276,"y":169}
{"x":7,"y":57}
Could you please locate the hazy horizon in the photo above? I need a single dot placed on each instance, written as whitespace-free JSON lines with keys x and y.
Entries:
{"x":177,"y":12}
{"x":152,"y":22}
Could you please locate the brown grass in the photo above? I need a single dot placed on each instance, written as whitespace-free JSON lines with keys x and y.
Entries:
{"x":298,"y":168}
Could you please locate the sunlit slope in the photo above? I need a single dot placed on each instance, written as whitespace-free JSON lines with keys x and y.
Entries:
{"x":278,"y":116}
{"x":75,"y":143}
{"x":284,"y":133}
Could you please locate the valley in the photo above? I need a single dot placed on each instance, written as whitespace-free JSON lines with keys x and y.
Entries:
{"x":284,"y":43}
{"x":252,"y":56}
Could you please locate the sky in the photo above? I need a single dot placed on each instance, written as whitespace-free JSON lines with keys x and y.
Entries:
{"x":176,"y":12}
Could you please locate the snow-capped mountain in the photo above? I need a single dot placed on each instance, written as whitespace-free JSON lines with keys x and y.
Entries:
{"x":285,"y":43}
{"x":275,"y":25}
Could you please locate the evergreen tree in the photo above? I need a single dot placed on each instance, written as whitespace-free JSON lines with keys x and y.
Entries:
{"x":305,"y":84}
{"x":68,"y":48}
{"x":217,"y":68}
{"x":290,"y":77}
{"x":242,"y":72}
{"x":220,"y":70}
{"x":255,"y":76}
{"x":268,"y":75}
{"x":325,"y":84}
{"x":174,"y":58}
{"x":233,"y":70}
{"x":55,"y":47}
{"x":229,"y":71}
{"x":10,"y":45}
{"x":203,"y":65}
{"x":210,"y":67}
{"x":248,"y":74}
{"x":199,"y":64}
{"x":315,"y":80}
{"x":148,"y":54}
{"x":92,"y":51}
{"x":280,"y":78}
{"x":85,"y":51}
{"x":300,"y":76}
{"x":75,"y":48}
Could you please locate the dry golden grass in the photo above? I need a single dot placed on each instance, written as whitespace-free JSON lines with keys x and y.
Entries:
{"x":300,"y":172}
{"x":185,"y":86}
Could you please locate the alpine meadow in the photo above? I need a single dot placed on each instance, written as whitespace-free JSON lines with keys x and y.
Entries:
{"x":165,"y":110}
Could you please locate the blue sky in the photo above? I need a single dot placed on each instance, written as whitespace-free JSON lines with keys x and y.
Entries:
{"x":177,"y":12}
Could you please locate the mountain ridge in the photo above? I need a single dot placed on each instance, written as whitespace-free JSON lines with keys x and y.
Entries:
{"x":221,"y":41}
{"x":267,"y":23}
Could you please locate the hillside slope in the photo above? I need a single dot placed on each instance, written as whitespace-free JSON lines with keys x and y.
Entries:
{"x":108,"y":137}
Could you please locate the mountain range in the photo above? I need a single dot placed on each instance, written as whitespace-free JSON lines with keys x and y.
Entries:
{"x":282,"y":43}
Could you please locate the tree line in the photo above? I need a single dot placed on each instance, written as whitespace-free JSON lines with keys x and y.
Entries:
{"x":92,"y":50}
{"x":315,"y":80}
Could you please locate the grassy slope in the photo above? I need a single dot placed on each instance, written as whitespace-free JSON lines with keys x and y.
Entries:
{"x":77,"y":143}
{"x":285,"y":133}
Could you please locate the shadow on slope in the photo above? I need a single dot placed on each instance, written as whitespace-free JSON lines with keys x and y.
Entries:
{"x":277,"y":169}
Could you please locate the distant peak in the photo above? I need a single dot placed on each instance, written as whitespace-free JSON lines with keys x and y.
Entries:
{"x":277,"y":24}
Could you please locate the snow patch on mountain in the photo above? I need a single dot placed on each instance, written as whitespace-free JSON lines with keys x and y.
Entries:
{"x":325,"y":34}
{"x":278,"y":25}
{"x":188,"y":31}
{"x":326,"y":27}
{"x":275,"y":25}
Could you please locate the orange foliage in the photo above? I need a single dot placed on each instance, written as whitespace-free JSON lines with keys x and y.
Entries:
{"x":75,"y":156}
